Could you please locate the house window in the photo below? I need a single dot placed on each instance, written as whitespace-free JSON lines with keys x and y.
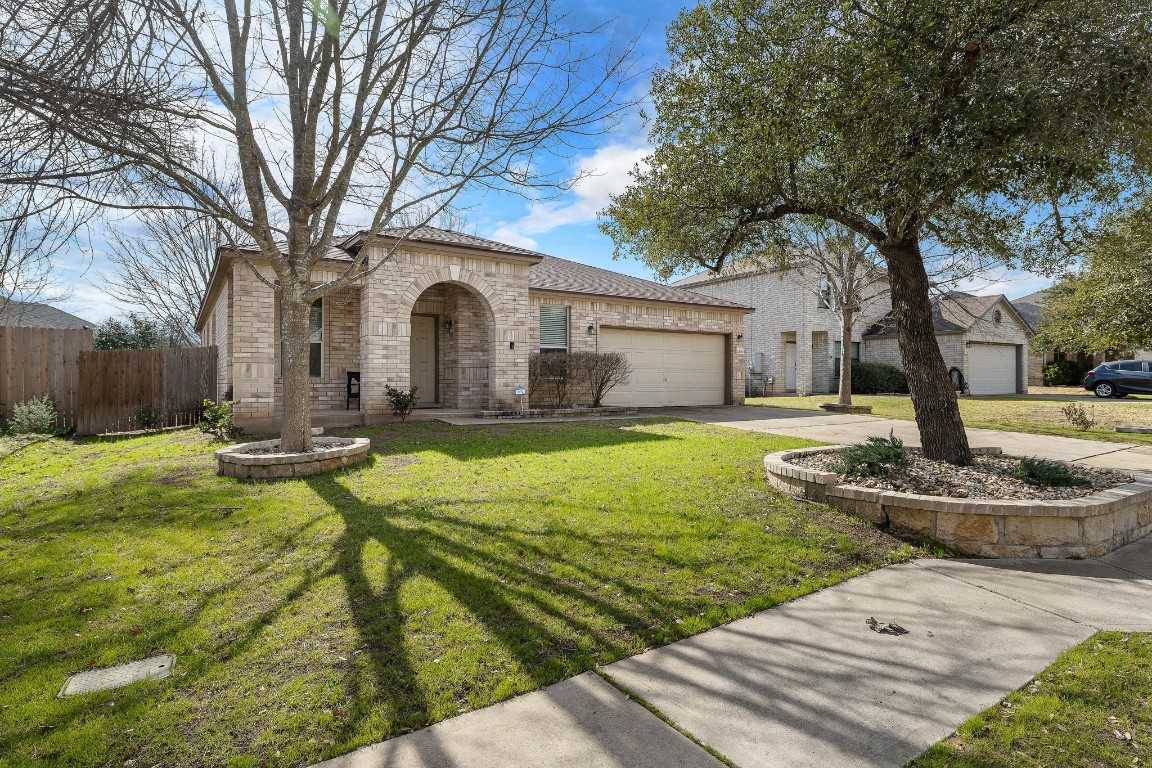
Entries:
{"x":855,"y":352}
{"x":315,"y":337}
{"x":553,"y":328}
{"x":825,"y":299}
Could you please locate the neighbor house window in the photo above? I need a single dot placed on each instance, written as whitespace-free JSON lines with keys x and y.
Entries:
{"x":315,"y":337}
{"x":855,"y":350}
{"x":825,"y":299}
{"x":553,"y":328}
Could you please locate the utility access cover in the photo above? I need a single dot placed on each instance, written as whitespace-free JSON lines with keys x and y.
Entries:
{"x":152,"y":668}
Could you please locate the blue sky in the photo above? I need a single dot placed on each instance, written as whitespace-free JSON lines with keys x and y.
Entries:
{"x":565,"y":226}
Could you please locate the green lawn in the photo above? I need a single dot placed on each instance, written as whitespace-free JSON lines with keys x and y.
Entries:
{"x":1012,"y":413}
{"x":1070,"y":716}
{"x":459,"y":567}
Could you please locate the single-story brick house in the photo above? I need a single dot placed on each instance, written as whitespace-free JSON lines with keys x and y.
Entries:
{"x":983,"y":337}
{"x":458,"y":316}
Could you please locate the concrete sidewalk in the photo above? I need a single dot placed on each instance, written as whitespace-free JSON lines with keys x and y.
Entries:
{"x":841,"y":428}
{"x":808,"y":683}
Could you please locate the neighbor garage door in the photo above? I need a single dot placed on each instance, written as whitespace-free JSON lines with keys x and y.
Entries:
{"x":667,"y":368}
{"x":992,"y":369}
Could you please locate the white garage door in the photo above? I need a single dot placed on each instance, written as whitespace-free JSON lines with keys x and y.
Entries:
{"x":992,"y":369}
{"x":667,"y":368}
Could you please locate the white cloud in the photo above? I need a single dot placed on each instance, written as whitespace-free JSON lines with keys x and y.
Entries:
{"x":606,"y":174}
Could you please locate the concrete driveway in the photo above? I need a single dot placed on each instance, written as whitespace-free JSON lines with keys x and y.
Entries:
{"x":838,"y":428}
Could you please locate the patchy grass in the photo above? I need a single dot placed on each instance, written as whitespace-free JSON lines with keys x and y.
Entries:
{"x":1011,"y":413}
{"x":1092,"y":708}
{"x":459,"y":567}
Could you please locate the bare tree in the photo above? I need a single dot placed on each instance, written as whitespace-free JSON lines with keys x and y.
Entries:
{"x":602,"y":372}
{"x":334,"y":113}
{"x":34,"y":229}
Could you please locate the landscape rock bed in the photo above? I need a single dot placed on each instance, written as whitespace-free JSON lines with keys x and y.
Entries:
{"x":1081,"y":527}
{"x":263,"y":460}
{"x":991,"y":477}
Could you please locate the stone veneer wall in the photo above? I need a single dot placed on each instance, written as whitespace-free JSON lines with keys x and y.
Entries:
{"x":1088,"y":526}
{"x":623,"y":313}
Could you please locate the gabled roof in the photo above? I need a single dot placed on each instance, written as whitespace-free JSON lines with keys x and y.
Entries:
{"x":955,"y":312}
{"x":564,"y":276}
{"x":427,"y":234}
{"x":30,"y":315}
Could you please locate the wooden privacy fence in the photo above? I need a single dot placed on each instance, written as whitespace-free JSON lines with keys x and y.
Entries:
{"x":38,"y":361}
{"x":127,"y":389}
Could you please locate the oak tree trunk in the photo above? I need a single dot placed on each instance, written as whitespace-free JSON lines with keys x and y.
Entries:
{"x":296,"y":427}
{"x":847,"y":318}
{"x":933,"y":396}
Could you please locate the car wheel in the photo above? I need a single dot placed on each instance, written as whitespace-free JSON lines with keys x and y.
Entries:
{"x":1104,"y":389}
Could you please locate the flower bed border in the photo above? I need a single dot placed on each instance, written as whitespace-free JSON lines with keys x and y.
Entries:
{"x":233,"y":461}
{"x":1085,"y":527}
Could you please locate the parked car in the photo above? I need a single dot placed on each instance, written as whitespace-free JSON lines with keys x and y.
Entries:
{"x":1119,"y":378}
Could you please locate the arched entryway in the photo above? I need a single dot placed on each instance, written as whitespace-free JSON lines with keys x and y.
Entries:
{"x":450,"y":349}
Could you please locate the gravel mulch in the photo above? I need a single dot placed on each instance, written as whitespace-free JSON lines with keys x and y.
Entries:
{"x":991,"y":477}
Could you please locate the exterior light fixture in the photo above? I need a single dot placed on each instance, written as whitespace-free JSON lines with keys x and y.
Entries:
{"x":447,"y":323}
{"x":511,"y":345}
{"x":739,"y":337}
{"x":591,"y":329}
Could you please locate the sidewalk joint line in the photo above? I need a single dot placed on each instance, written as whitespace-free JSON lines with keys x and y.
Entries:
{"x":637,"y":698}
{"x":1009,"y":597}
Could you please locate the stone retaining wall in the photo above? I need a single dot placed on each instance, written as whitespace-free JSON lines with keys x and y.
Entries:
{"x":234,"y":462}
{"x":1084,"y":527}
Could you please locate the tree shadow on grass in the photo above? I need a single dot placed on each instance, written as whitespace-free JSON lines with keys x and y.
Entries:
{"x":548,"y":628}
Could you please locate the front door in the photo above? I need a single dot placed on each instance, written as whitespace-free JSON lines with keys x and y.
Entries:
{"x":790,"y":366}
{"x":424,"y":359}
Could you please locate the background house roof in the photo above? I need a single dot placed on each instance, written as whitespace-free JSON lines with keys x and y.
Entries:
{"x":30,"y":315}
{"x":1031,"y":307}
{"x":561,"y":275}
{"x":953,"y":313}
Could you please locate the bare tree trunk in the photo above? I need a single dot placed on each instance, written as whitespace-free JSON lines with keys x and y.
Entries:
{"x":933,"y":396}
{"x":847,"y":319}
{"x":296,"y":428}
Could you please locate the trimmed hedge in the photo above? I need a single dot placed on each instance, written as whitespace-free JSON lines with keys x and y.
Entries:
{"x":878,"y":379}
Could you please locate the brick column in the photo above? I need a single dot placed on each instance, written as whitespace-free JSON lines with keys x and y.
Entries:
{"x":803,"y":362}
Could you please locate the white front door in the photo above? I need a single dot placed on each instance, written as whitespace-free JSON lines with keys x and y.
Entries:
{"x":668,"y":368}
{"x":790,"y":366}
{"x":424,"y":358}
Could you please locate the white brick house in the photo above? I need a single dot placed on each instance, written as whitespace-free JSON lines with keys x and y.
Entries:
{"x":793,"y":337}
{"x":458,"y":316}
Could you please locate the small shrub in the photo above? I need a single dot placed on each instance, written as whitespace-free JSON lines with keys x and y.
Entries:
{"x":601,"y":372}
{"x":1078,"y":417}
{"x":218,"y":420}
{"x":147,"y":418}
{"x":1060,"y":373}
{"x":878,"y":379}
{"x":875,"y":457}
{"x":35,"y":416}
{"x":553,"y":374}
{"x":402,"y":402}
{"x":1047,"y":473}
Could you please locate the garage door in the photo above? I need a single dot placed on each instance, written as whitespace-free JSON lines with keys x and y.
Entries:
{"x":992,"y":369}
{"x":667,"y":368}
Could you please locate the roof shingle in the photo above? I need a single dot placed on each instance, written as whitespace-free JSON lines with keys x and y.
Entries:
{"x":30,"y":315}
{"x":564,"y":276}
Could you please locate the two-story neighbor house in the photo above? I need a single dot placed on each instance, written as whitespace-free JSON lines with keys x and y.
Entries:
{"x":458,"y":316}
{"x":794,"y":336}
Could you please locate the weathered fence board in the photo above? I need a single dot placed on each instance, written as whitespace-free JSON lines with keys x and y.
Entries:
{"x":127,"y":389}
{"x":38,"y":361}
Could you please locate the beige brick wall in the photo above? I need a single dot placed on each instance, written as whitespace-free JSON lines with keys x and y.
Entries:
{"x":787,"y":308}
{"x":622,"y":313}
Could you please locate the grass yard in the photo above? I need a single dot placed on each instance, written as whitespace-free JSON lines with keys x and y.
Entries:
{"x":1091,"y":708}
{"x":1012,"y":413}
{"x":461,"y":566}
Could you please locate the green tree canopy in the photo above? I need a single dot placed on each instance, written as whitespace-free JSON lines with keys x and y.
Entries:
{"x":1108,"y":301}
{"x":134,"y":332}
{"x":980,"y":126}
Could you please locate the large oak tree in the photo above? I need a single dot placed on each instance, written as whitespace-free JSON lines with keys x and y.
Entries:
{"x":979,"y":127}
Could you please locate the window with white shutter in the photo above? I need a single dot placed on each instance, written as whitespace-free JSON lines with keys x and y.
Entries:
{"x":553,"y":328}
